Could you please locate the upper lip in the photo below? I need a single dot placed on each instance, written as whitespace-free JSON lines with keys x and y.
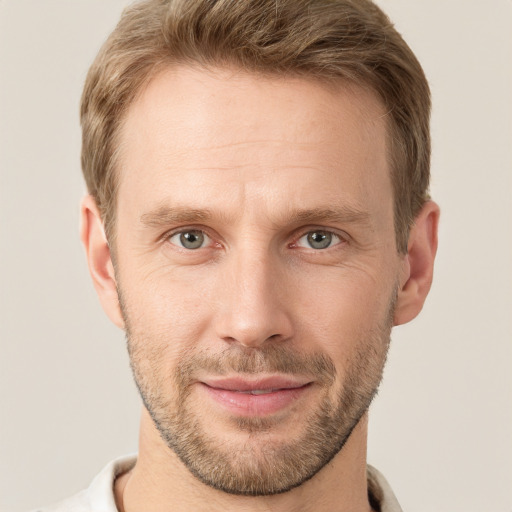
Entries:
{"x":255,"y":383}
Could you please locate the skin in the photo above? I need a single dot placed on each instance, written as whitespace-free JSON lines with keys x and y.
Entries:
{"x":270,"y":160}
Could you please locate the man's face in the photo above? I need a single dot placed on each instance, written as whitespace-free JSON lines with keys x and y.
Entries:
{"x":257,"y":269}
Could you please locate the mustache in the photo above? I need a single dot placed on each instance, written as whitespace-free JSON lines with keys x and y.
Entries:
{"x":250,"y":361}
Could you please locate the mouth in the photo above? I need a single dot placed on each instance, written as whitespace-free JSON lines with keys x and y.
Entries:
{"x":259,"y":391}
{"x":255,"y":397}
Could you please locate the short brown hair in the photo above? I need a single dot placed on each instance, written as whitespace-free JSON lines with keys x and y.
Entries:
{"x":352,"y":40}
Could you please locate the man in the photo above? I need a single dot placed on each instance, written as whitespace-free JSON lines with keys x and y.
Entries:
{"x":257,"y":221}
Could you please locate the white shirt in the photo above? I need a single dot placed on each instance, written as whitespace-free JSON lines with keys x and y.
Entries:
{"x":99,"y":496}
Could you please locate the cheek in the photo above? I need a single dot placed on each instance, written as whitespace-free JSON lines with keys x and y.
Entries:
{"x":166,"y":306}
{"x":331,"y":309}
{"x":341,"y":313}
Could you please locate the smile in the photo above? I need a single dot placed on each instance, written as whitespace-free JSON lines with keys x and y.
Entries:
{"x":258,"y":391}
{"x":261,"y":397}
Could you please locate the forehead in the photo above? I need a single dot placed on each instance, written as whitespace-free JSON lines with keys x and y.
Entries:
{"x":254,"y":134}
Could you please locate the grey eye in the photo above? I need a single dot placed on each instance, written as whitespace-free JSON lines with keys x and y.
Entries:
{"x":318,"y":240}
{"x":192,"y":239}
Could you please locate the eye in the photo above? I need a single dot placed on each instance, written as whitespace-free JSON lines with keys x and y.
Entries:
{"x":191,"y":239}
{"x":318,"y":239}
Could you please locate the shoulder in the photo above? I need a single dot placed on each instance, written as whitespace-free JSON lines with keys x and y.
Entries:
{"x":77,"y":503}
{"x":99,"y":496}
{"x":380,"y":493}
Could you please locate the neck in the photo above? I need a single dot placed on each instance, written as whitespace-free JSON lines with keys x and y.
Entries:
{"x":161,"y":483}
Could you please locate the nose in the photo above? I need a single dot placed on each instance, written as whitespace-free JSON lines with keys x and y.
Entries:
{"x":253,"y":308}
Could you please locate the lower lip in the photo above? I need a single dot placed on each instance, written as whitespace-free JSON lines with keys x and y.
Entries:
{"x":245,"y":404}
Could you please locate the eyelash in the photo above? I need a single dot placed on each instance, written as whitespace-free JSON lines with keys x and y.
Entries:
{"x":333,"y":237}
{"x":189,"y":231}
{"x":341,"y":238}
{"x":166,"y":237}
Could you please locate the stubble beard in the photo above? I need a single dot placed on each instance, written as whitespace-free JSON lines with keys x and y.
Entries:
{"x":261,"y":465}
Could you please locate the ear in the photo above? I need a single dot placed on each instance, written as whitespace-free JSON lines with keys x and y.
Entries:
{"x":99,"y":259}
{"x":418,"y":264}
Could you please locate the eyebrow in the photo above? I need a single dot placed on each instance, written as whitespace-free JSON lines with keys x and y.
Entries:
{"x":166,"y":215}
{"x":343,"y":214}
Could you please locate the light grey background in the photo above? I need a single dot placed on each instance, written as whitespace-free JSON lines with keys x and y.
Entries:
{"x":440,"y":429}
